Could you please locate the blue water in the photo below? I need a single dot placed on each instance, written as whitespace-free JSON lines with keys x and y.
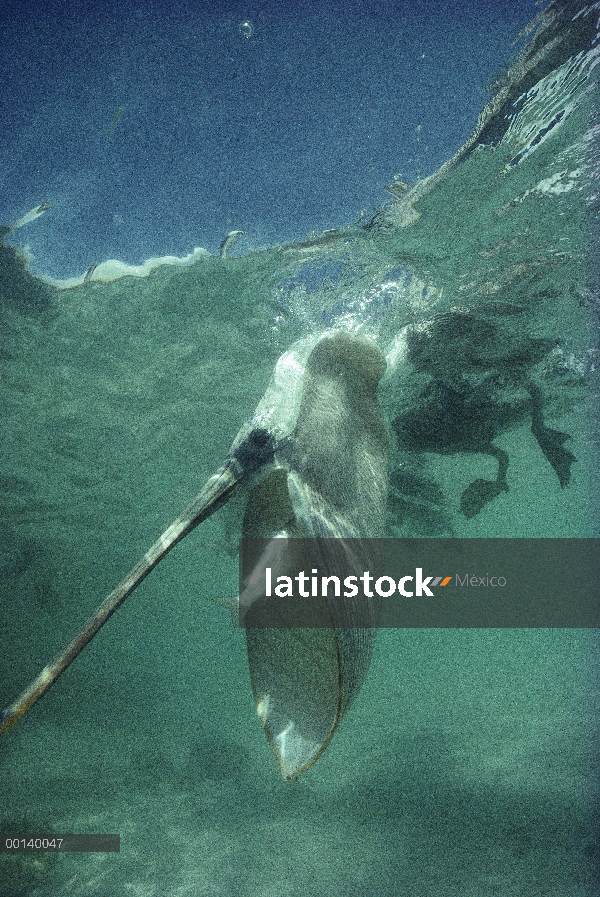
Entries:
{"x":156,"y":127}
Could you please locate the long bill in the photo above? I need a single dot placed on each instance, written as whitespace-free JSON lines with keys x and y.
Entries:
{"x":216,"y":492}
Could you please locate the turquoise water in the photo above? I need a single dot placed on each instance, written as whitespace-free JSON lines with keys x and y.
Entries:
{"x":467,"y":765}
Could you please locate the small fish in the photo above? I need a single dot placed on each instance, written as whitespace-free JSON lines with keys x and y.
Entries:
{"x":230,"y":238}
{"x":32,"y":215}
{"x":115,"y":121}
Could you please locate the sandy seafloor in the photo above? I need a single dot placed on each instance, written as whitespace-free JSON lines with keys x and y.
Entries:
{"x":466,"y":766}
{"x":463,"y":770}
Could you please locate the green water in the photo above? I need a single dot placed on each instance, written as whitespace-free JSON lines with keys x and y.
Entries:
{"x":467,"y":765}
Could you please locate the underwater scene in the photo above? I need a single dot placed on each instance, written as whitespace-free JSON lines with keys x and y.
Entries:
{"x":429,"y":370}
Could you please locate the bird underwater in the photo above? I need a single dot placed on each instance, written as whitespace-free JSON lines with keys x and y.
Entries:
{"x":313,"y":461}
{"x":339,"y":446}
{"x":327,"y":457}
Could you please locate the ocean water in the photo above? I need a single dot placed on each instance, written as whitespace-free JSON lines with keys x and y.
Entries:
{"x":468,"y":763}
{"x":163,"y":127}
